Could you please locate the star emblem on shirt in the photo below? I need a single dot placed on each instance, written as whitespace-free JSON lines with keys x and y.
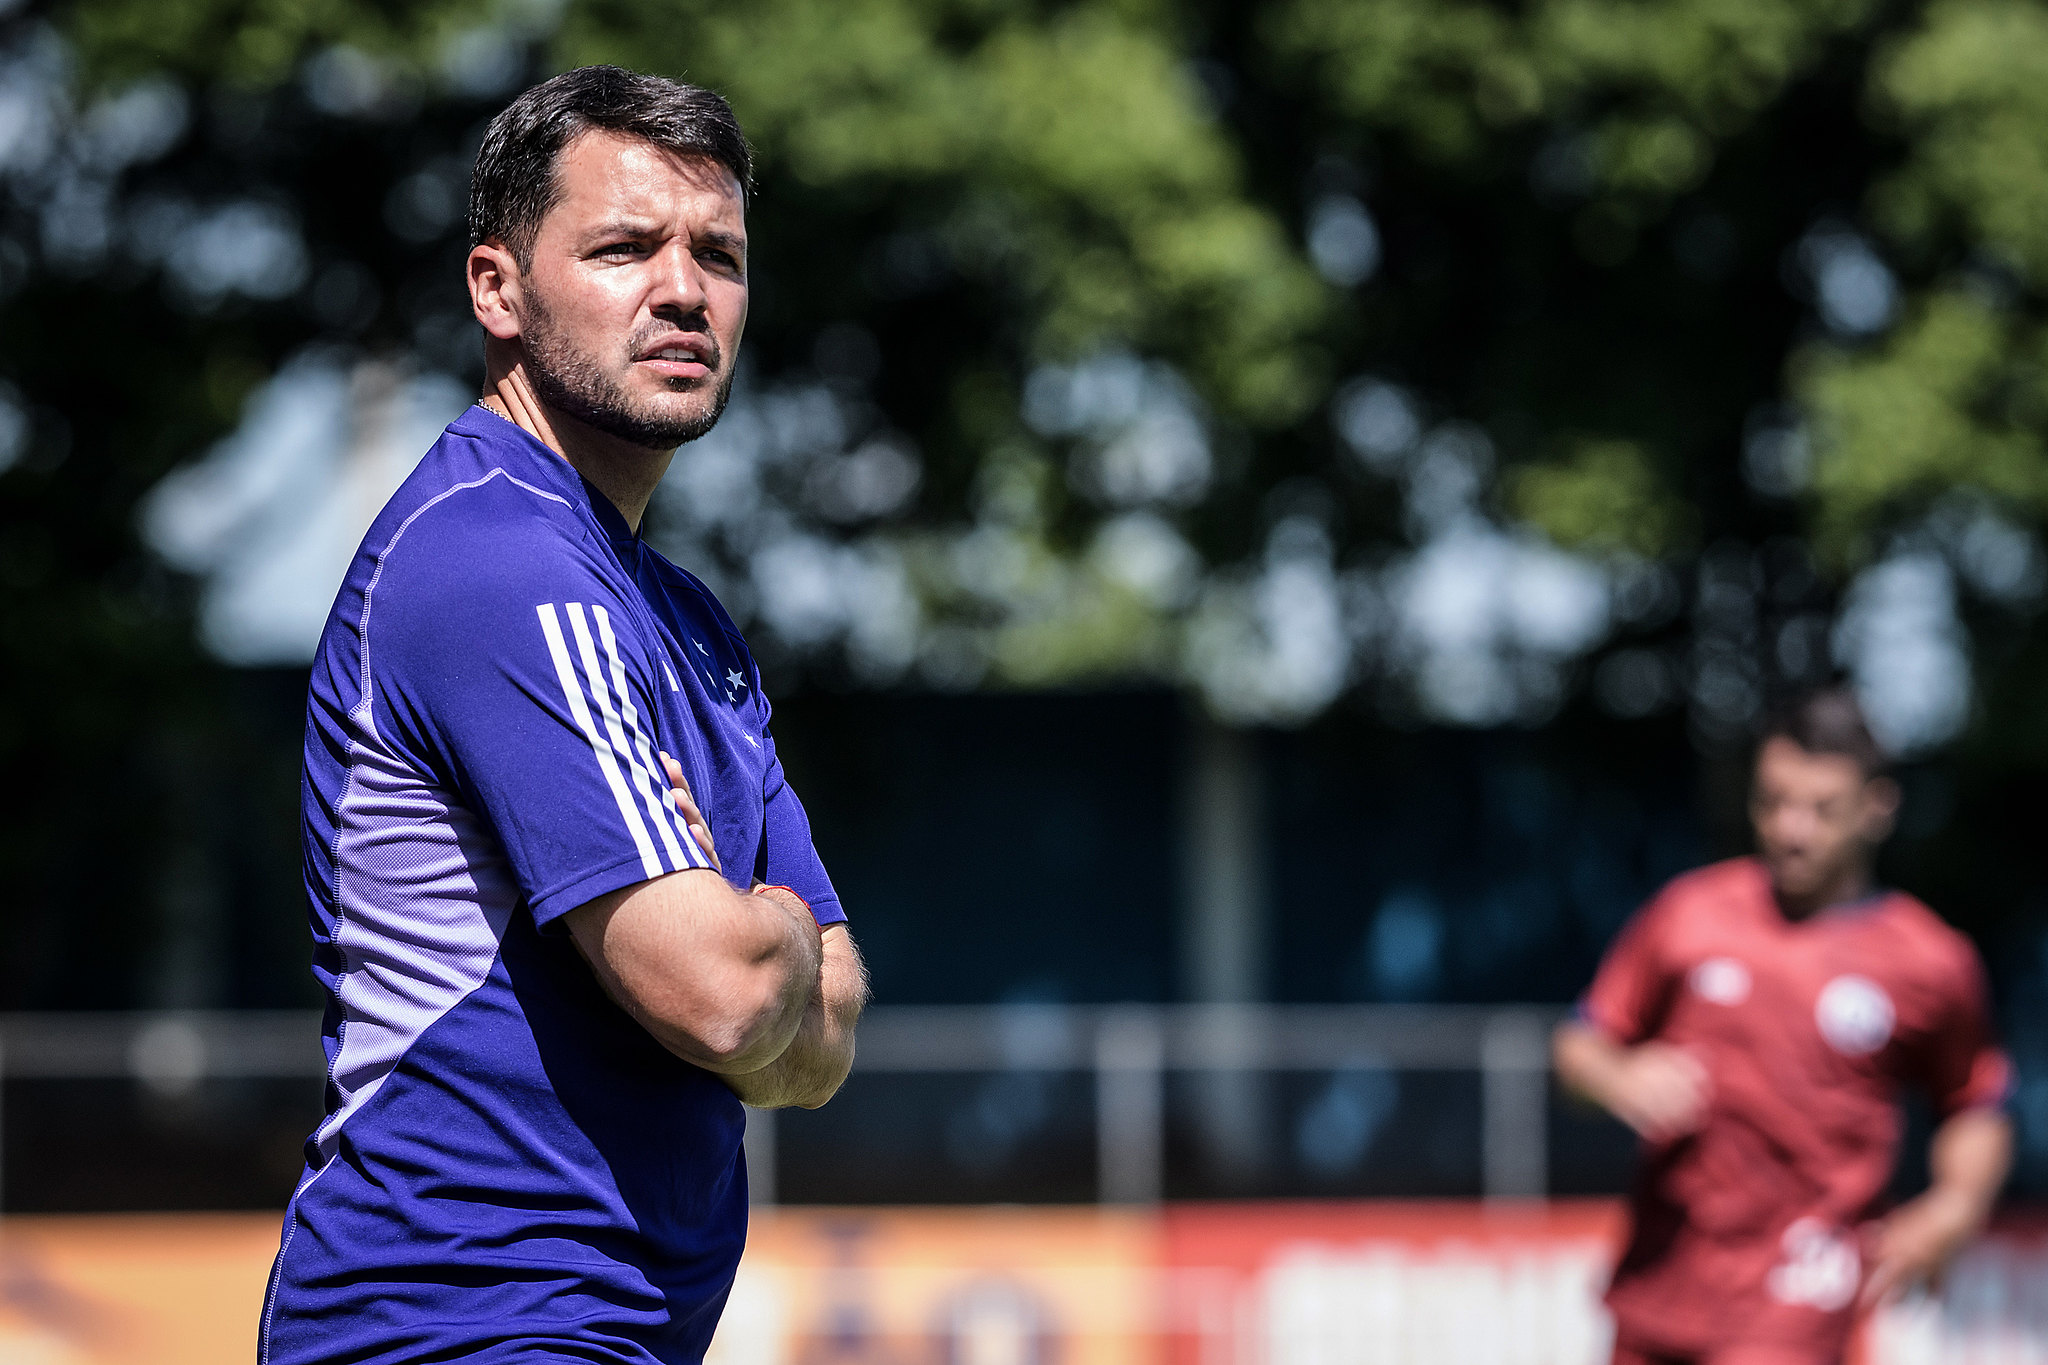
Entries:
{"x":700,"y":647}
{"x":732,"y":676}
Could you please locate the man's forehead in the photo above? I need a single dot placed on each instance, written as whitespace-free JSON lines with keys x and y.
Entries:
{"x":1784,"y":758}
{"x":602,"y":174}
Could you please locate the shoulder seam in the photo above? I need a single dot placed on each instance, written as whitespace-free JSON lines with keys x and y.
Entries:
{"x":370,"y":588}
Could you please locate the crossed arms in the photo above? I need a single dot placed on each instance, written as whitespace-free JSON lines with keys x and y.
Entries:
{"x":743,"y":984}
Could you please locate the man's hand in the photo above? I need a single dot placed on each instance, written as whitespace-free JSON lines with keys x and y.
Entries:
{"x":680,"y":796}
{"x":1969,"y":1157}
{"x":1662,"y":1092}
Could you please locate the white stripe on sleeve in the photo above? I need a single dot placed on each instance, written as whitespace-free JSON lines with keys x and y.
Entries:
{"x":572,"y":692}
{"x":656,"y":800}
{"x":663,"y":809}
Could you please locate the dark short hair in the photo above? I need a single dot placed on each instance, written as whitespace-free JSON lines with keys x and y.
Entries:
{"x":515,"y":183}
{"x":1828,"y":720}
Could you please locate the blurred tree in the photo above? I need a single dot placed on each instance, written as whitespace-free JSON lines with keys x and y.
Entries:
{"x":1778,"y":275}
{"x":1445,"y":354}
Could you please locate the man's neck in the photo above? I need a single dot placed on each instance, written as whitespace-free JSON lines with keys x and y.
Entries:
{"x":624,"y":473}
{"x":1850,"y":885}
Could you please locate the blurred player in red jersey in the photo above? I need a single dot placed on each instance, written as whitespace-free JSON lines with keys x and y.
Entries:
{"x":1755,"y":1023}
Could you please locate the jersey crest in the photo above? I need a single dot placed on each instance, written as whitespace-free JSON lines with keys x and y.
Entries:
{"x":1855,"y":1015}
{"x":1722,"y":980}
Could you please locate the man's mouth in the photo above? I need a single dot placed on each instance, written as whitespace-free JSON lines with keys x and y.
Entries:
{"x":682,"y":361}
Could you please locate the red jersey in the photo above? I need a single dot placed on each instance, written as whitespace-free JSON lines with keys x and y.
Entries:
{"x":1746,"y":1230}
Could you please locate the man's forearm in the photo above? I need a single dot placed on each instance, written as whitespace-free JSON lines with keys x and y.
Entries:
{"x":1586,"y":1061}
{"x":791,"y":972}
{"x":816,"y":1062}
{"x":720,"y":978}
{"x":1968,"y":1159}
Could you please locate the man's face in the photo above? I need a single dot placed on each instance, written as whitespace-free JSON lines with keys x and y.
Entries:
{"x":1817,"y":817}
{"x":633,"y":302}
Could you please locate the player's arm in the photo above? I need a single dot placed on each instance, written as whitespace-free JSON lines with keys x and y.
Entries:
{"x":1660,"y":1091}
{"x":722,"y":979}
{"x":1609,"y":1053}
{"x":1969,"y":1158}
{"x":817,"y":1062}
{"x":814,"y":1066}
{"x":1968,"y":1077}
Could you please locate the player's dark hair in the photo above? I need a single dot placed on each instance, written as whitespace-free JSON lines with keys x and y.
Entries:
{"x":1828,"y":720}
{"x":515,"y":181}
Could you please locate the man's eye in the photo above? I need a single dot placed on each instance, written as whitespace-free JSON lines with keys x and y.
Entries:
{"x":620,"y":249}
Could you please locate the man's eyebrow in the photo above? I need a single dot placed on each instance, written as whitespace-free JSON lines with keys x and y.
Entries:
{"x":620,"y":227}
{"x":731,"y":241}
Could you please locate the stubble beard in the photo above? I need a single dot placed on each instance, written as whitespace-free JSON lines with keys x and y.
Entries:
{"x":571,"y":380}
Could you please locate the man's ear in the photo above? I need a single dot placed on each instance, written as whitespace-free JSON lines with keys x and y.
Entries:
{"x":494,"y":289}
{"x":1881,"y":798}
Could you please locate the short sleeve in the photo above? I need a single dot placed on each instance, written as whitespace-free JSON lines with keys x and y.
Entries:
{"x":515,"y":678}
{"x":787,"y":856}
{"x":1632,"y":989}
{"x":1957,"y":1058}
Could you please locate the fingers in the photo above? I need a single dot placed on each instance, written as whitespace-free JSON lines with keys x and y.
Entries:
{"x":680,"y":794}
{"x":686,"y":803}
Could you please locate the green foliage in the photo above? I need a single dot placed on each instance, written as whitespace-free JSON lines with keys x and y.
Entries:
{"x":1657,"y":96}
{"x":1588,"y":212}
{"x":1140,"y":238}
{"x":1956,"y":397}
{"x":997,"y":127}
{"x":258,"y":43}
{"x":1969,"y":88}
{"x":1604,"y":497}
{"x":1654,"y":86}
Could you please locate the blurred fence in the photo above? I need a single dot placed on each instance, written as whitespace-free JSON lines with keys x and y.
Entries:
{"x":1130,"y":1049}
{"x":1127,"y":1052}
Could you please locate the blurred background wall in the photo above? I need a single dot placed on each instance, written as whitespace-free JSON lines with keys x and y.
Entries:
{"x":1300,"y":501}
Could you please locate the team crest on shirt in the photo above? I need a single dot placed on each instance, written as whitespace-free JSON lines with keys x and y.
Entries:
{"x":1821,"y":1268}
{"x":1722,"y":980}
{"x":1855,"y":1015}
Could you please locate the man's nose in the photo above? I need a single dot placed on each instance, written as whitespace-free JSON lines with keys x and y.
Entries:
{"x":679,"y":281}
{"x":1793,"y":828}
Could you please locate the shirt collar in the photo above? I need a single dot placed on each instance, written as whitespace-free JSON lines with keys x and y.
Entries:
{"x":540,"y":464}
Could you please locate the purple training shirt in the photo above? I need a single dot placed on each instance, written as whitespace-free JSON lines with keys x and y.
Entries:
{"x":511,"y":1168}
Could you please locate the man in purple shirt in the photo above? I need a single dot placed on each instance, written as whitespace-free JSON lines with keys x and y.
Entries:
{"x":564,"y":904}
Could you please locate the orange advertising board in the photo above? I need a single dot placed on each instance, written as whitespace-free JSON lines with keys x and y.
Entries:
{"x":166,"y":1289}
{"x":1393,"y":1283}
{"x":1226,"y":1284}
{"x":968,"y":1286}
